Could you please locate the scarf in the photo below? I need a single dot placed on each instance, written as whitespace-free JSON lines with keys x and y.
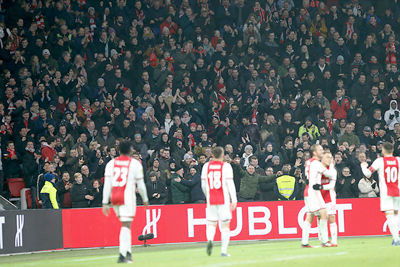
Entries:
{"x":349,"y":30}
{"x":390,"y":56}
{"x":11,"y":152}
{"x":261,"y":14}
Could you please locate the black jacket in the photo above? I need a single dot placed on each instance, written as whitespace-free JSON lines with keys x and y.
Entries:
{"x":78,"y":193}
{"x":158,"y":187}
{"x":196,"y":193}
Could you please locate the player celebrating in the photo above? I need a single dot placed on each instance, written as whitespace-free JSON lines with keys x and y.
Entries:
{"x":313,"y":197}
{"x":329,"y":195}
{"x":388,"y":172}
{"x":219,"y":189}
{"x":122,"y":174}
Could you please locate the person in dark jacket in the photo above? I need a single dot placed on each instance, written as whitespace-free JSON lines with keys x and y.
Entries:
{"x":346,"y":185}
{"x":180,"y":193}
{"x":80,"y":194}
{"x":97,"y":194}
{"x":63,"y":190}
{"x":156,"y":190}
{"x":267,"y":188}
{"x":194,"y":182}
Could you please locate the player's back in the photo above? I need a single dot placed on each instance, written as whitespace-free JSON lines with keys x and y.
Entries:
{"x":388,"y":169}
{"x":124,"y":171}
{"x":215,"y":175}
{"x":313,"y":169}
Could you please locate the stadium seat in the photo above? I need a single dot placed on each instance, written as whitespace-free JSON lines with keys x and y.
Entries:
{"x":15,"y":185}
{"x":26,"y":199}
{"x":102,"y":180}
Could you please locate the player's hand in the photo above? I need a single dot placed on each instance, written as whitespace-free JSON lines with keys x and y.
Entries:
{"x":317,"y":187}
{"x":106,"y":210}
{"x":145,"y":204}
{"x":233,"y":206}
{"x":364,"y":164}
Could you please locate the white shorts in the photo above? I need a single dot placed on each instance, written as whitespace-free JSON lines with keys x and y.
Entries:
{"x":126,"y":212}
{"x":331,"y":208}
{"x":218,"y":213}
{"x":314,"y":202}
{"x":390,"y":203}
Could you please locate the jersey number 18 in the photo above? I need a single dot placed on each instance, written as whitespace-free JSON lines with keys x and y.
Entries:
{"x":215,"y":179}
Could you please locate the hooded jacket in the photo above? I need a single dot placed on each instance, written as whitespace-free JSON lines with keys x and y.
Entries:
{"x":392,"y":116}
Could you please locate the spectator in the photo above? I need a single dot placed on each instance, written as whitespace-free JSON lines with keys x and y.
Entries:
{"x":249,"y":182}
{"x":156,"y":189}
{"x":194,"y":183}
{"x":392,"y":116}
{"x":63,"y":190}
{"x":80,"y":194}
{"x":180,"y":193}
{"x":346,"y":185}
{"x":97,"y":194}
{"x":349,"y":136}
{"x":368,"y":187}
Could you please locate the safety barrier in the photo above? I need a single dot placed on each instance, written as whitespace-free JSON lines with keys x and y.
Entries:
{"x":78,"y":228}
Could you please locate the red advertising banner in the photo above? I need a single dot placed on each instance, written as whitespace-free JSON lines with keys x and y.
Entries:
{"x":186,"y":223}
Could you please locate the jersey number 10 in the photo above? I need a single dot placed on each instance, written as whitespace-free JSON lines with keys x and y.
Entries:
{"x":120,"y":177}
{"x":391,"y":174}
{"x":215,"y":179}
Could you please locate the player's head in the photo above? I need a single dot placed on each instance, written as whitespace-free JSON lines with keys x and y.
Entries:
{"x":326,"y":158}
{"x":218,"y":153}
{"x":317,"y":151}
{"x":125,"y":148}
{"x":387,"y":149}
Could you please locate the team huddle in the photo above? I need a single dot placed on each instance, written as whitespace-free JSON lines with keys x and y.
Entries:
{"x":124,"y":177}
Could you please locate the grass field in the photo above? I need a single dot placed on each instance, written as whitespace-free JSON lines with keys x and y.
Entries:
{"x":372,"y":251}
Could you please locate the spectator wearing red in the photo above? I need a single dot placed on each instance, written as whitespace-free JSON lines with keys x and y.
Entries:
{"x":340,"y":105}
{"x":48,"y":151}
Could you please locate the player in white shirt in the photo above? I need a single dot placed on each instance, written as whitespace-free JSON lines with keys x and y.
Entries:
{"x":313,"y":198}
{"x":219,"y":189}
{"x":388,"y":168}
{"x":329,"y":195}
{"x":121,"y":177}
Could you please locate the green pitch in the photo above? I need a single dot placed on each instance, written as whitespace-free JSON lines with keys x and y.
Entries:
{"x":373,"y":251}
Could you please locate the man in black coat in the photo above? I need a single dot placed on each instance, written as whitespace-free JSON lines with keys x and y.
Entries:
{"x":80,"y":194}
{"x":194,"y":182}
{"x":156,"y":190}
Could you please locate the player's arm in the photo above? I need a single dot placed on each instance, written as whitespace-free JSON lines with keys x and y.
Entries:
{"x":140,"y":183}
{"x":369,"y":171}
{"x":330,"y":173}
{"x":332,"y":180}
{"x":228,"y":176}
{"x":108,"y":173}
{"x":204,"y":179}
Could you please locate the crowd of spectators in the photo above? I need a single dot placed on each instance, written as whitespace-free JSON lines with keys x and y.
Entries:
{"x":265,"y":79}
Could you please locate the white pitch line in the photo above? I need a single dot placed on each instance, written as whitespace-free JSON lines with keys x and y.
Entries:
{"x":273,"y":259}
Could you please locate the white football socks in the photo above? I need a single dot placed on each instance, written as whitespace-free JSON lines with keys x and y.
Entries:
{"x":125,"y":241}
{"x":334,"y":232}
{"x":323,"y":228}
{"x":305,"y":233}
{"x":211,"y":228}
{"x":392,"y":223}
{"x":225,"y":236}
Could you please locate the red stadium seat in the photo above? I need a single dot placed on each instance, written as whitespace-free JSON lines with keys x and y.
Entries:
{"x":102,"y":180}
{"x":15,"y":185}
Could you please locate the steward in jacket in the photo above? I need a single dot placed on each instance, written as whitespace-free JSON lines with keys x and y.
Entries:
{"x":49,"y":192}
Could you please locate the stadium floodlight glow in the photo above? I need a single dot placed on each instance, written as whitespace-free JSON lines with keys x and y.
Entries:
{"x":146,"y":237}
